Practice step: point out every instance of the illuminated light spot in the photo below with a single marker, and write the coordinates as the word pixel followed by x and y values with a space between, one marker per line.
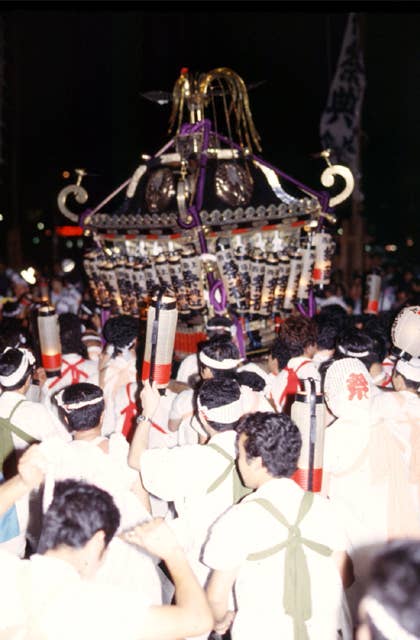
pixel 368 248
pixel 391 247
pixel 66 174
pixel 40 226
pixel 340 231
pixel 1 217
pixel 69 243
pixel 80 243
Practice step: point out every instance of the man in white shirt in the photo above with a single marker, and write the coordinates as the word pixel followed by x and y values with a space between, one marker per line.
pixel 280 548
pixel 297 336
pixel 53 595
pixel 218 358
pixel 369 468
pixel 217 326
pixel 23 423
pixel 118 364
pixel 75 365
pixel 201 480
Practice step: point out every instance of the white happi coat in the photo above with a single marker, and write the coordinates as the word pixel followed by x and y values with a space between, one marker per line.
pixel 34 419
pixel 248 528
pixel 184 475
pixel 47 598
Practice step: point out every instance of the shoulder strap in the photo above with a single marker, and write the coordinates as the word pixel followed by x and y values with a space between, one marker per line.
pixel 297 600
pixel 15 407
pixel 239 490
pixel 7 423
pixel 222 452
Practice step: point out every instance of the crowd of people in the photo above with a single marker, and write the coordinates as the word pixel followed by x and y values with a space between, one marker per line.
pixel 131 511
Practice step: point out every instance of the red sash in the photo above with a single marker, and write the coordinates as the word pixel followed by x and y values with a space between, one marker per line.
pixel 73 369
pixel 129 412
pixel 293 382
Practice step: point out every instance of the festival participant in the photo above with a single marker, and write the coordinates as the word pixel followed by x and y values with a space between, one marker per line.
pixel 75 366
pixel 201 480
pixel 217 326
pixel 23 422
pixel 327 332
pixel 390 607
pixel 77 529
pixel 280 549
pixel 103 462
pixel 358 344
pixel 404 402
pixel 217 358
pixel 299 334
pixel 368 470
pixel 95 458
pixel 118 366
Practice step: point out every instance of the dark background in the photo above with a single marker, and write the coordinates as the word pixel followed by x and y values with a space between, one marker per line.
pixel 73 81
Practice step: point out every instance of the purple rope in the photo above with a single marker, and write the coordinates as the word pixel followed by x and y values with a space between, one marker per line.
pixel 217 286
pixel 240 336
pixel 311 303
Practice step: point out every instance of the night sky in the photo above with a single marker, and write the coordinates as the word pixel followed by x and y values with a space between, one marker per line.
pixel 74 79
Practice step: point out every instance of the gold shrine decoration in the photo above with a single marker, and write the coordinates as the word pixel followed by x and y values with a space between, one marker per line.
pixel 196 92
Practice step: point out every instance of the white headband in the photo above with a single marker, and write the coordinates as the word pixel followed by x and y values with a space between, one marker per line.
pixel 11 314
pixel 27 361
pixel 72 406
pixel 91 336
pixel 226 414
pixel 384 622
pixel 227 363
pixel 352 354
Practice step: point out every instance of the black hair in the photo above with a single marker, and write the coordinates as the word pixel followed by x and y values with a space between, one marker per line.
pixel 10 309
pixel 298 333
pixel 357 341
pixel 279 351
pixel 216 393
pixel 78 510
pixel 334 312
pixel 328 330
pixel 10 360
pixel 12 334
pixel 322 370
pixel 120 331
pixel 275 438
pixel 394 582
pixel 87 417
pixel 251 379
pixel 219 321
pixel 218 348
pixel 71 334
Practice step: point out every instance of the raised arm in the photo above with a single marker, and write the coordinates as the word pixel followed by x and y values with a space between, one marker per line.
pixel 31 473
pixel 149 397
pixel 191 615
